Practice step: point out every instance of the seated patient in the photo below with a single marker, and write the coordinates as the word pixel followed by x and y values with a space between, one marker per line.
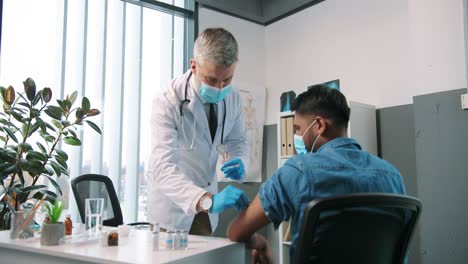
pixel 327 163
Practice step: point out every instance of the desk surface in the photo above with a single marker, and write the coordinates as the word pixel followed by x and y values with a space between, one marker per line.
pixel 136 248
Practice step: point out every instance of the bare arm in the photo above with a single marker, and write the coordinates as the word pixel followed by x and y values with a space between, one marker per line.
pixel 244 226
pixel 248 222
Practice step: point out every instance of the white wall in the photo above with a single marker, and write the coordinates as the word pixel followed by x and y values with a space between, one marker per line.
pixel 361 42
pixel 251 40
pixel 436 46
pixel 384 52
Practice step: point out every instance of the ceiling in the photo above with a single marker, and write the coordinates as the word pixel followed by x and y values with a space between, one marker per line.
pixel 262 12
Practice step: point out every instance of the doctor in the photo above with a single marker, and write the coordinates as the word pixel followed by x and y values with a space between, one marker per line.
pixel 195 120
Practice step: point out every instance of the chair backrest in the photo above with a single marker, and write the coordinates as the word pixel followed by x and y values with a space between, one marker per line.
pixel 98 186
pixel 357 228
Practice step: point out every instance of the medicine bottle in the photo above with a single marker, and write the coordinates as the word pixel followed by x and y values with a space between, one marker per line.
pixel 68 225
pixel 169 240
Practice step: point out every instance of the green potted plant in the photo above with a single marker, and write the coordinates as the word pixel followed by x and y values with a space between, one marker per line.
pixel 53 230
pixel 30 131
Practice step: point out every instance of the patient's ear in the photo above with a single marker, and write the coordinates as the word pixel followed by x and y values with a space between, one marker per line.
pixel 322 125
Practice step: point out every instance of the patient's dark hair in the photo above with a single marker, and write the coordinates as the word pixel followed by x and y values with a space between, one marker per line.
pixel 324 101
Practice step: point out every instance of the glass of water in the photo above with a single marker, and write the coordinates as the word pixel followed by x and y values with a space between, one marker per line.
pixel 94 208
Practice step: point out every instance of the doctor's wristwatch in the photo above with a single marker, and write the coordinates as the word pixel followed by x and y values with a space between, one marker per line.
pixel 205 203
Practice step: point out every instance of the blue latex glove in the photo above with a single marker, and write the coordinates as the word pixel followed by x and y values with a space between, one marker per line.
pixel 228 198
pixel 234 169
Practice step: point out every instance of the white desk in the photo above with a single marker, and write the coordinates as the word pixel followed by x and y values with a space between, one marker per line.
pixel 137 248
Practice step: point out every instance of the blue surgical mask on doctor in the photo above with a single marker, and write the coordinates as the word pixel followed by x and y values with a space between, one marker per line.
pixel 299 144
pixel 212 94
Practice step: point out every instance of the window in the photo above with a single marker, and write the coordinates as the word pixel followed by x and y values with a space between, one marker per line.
pixel 465 18
pixel 116 53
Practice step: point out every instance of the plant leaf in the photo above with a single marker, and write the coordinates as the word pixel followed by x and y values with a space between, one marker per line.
pixel 62 104
pixel 85 104
pixel 93 112
pixel 24 104
pixel 61 161
pixel 32 166
pixel 34 155
pixel 37 98
pixel 2 92
pixel 47 94
pixel 24 128
pixel 10 134
pixel 24 147
pixel 54 112
pixel 30 88
pixel 41 147
pixel 64 171
pixel 57 124
pixel 7 169
pixel 56 168
pixel 9 97
pixel 49 126
pixel 15 115
pixel 72 132
pixel 72 97
pixel 62 154
pixel 51 196
pixel 72 141
pixel 22 111
pixel 35 127
pixel 94 126
pixel 79 113
pixel 8 155
pixel 49 138
pixel 55 184
pixel 34 113
pixel 34 188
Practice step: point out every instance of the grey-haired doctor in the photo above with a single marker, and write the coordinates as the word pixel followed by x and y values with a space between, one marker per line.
pixel 195 120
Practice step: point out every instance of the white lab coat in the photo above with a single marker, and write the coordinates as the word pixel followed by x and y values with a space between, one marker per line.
pixel 176 177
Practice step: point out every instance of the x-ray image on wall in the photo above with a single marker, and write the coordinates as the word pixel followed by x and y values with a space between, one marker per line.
pixel 287 99
pixel 335 84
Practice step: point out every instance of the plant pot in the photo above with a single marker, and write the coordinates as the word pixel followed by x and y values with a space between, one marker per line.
pixel 51 234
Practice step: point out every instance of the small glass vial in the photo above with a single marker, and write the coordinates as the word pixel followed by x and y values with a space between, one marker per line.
pixel 155 231
pixel 177 237
pixel 68 225
pixel 170 240
pixel 103 239
pixel 183 239
pixel 113 238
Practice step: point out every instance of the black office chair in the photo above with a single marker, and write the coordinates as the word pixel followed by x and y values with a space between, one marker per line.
pixel 99 186
pixel 365 228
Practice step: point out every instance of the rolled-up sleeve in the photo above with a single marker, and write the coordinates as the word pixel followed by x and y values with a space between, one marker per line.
pixel 277 194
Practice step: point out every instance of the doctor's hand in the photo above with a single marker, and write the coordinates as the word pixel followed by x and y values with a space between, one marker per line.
pixel 229 197
pixel 234 169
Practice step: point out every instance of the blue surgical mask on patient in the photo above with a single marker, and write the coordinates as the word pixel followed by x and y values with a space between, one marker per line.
pixel 299 144
pixel 212 94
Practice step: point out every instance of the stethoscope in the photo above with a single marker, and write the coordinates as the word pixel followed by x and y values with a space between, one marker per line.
pixel 221 148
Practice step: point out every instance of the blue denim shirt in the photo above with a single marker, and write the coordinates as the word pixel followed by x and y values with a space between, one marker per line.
pixel 336 168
